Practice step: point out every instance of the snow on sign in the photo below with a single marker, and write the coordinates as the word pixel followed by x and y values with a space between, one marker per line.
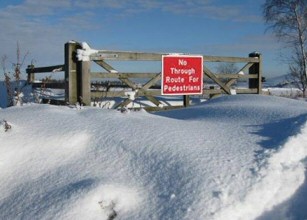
pixel 182 75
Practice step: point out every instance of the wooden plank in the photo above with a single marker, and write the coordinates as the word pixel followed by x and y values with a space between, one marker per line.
pixel 104 75
pixel 247 91
pixel 221 91
pixel 230 59
pixel 111 94
pixel 122 74
pixel 215 79
pixel 230 82
pixel 106 85
pixel 235 76
pixel 238 76
pixel 107 94
pixel 151 108
pixel 49 85
pixel 152 81
pixel 54 101
pixel 126 56
pixel 128 82
pixel 148 85
pixel 153 92
pixel 123 104
pixel 141 56
pixel 47 69
pixel 106 66
pixel 134 87
pixel 153 99
pixel 246 67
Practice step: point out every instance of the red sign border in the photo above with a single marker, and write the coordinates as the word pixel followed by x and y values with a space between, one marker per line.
pixel 182 55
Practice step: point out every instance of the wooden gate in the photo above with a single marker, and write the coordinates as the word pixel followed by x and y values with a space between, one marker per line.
pixel 78 83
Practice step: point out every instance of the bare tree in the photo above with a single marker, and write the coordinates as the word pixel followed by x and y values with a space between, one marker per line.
pixel 7 80
pixel 17 72
pixel 14 94
pixel 297 75
pixel 227 68
pixel 288 20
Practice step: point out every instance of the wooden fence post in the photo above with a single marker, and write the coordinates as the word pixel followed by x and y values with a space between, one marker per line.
pixel 256 69
pixel 186 100
pixel 85 82
pixel 71 88
pixel 31 75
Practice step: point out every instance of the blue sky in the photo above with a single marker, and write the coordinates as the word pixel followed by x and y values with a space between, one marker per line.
pixel 210 27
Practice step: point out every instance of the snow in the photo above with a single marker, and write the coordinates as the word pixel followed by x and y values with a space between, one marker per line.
pixel 284 92
pixel 131 94
pixel 85 53
pixel 233 157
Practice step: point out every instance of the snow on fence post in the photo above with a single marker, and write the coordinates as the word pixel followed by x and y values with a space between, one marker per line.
pixel 256 69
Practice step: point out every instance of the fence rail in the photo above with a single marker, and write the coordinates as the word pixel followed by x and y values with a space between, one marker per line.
pixel 79 87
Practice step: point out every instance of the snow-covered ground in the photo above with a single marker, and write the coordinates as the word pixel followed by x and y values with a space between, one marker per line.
pixel 233 157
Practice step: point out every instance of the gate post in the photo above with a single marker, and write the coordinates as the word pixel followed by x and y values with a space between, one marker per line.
pixel 256 69
pixel 71 86
pixel 31 75
pixel 186 100
pixel 85 82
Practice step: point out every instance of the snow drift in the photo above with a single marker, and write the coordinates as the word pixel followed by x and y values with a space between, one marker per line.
pixel 234 157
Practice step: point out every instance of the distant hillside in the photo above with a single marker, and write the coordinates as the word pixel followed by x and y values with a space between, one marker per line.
pixel 278 81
